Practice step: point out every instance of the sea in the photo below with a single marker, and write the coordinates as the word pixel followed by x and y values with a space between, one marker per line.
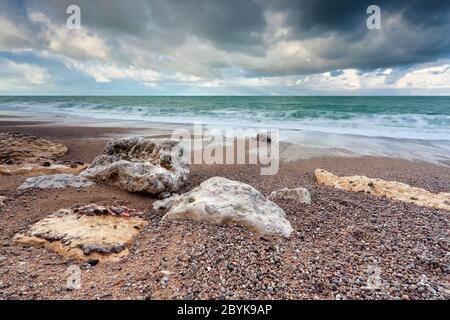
pixel 413 127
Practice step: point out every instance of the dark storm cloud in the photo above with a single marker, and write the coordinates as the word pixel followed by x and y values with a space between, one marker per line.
pixel 392 46
pixel 228 24
pixel 311 18
pixel 334 32
pixel 111 15
pixel 315 17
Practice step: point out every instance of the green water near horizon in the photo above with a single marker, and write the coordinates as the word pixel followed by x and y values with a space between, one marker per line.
pixel 424 117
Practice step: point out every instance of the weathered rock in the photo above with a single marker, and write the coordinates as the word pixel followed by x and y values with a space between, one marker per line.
pixel 26 155
pixel 75 235
pixel 2 201
pixel 390 189
pixel 93 209
pixel 222 201
pixel 166 203
pixel 17 148
pixel 140 165
pixel 56 181
pixel 298 194
pixel 164 195
pixel 31 169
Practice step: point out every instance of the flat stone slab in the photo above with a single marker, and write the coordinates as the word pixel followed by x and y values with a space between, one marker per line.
pixel 17 148
pixel 390 189
pixel 26 155
pixel 97 235
pixel 56 181
pixel 31 169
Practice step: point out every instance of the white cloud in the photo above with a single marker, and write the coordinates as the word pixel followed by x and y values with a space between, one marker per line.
pixel 106 72
pixel 437 77
pixel 197 62
pixel 423 78
pixel 12 35
pixel 21 75
pixel 78 44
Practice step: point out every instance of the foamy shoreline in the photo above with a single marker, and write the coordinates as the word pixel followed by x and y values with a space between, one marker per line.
pixel 294 144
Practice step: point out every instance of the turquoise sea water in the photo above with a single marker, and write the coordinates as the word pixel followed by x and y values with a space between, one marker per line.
pixel 406 127
pixel 396 117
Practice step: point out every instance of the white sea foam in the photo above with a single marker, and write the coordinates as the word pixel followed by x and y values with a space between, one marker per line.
pixel 402 126
pixel 406 135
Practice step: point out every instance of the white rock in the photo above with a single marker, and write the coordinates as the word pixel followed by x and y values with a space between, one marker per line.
pixel 56 181
pixel 298 194
pixel 80 236
pixel 222 201
pixel 140 165
pixel 2 200
pixel 166 272
pixel 382 188
pixel 166 203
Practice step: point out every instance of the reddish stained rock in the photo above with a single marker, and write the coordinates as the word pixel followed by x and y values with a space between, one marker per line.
pixel 86 233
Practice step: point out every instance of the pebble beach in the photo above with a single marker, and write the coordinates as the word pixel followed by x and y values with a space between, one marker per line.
pixel 344 245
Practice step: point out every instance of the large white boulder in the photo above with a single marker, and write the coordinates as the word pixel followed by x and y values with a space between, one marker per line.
pixel 140 165
pixel 222 201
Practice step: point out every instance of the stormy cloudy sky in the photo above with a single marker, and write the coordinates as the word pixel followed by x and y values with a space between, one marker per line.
pixel 224 47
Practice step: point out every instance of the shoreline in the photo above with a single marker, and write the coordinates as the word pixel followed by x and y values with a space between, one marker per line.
pixel 305 145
